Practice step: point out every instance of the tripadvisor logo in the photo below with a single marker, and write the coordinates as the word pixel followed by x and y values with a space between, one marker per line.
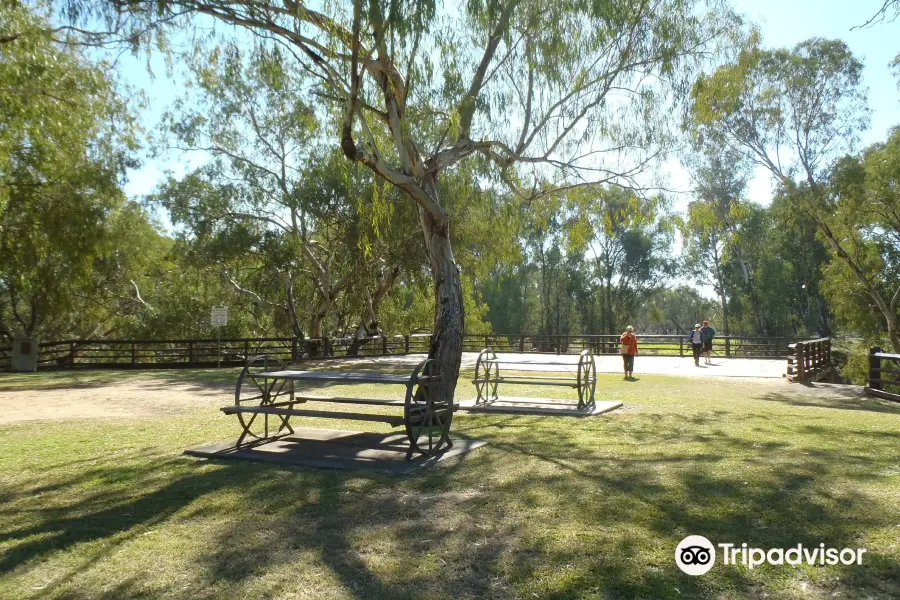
pixel 696 555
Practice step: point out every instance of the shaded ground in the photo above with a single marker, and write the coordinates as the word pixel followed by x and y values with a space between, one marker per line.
pixel 551 508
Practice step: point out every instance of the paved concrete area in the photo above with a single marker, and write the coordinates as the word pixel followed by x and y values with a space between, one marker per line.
pixel 650 364
pixel 512 405
pixel 337 449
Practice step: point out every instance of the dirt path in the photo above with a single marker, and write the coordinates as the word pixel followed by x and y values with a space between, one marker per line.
pixel 135 398
pixel 144 397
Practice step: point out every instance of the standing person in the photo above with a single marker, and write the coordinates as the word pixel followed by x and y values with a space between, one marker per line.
pixel 629 350
pixel 696 343
pixel 707 334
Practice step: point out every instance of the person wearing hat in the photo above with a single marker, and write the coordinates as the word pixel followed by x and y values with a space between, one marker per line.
pixel 629 350
pixel 696 343
pixel 707 334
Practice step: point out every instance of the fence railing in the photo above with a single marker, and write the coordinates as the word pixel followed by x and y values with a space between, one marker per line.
pixel 810 360
pixel 125 354
pixel 658 345
pixel 884 375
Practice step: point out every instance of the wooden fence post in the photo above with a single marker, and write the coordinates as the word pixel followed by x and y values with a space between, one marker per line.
pixel 680 346
pixel 190 352
pixel 522 344
pixel 406 344
pixel 727 345
pixel 384 345
pixel 800 362
pixel 133 354
pixel 875 369
pixel 293 349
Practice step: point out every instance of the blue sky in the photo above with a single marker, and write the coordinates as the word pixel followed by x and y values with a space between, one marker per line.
pixel 783 23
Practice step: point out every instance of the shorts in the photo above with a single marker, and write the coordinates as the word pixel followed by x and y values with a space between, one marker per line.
pixel 629 362
pixel 707 346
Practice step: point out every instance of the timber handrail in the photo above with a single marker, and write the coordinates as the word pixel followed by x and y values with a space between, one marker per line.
pixel 884 375
pixel 809 361
pixel 208 352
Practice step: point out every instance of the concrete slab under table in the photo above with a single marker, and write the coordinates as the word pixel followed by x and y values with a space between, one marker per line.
pixel 513 405
pixel 336 449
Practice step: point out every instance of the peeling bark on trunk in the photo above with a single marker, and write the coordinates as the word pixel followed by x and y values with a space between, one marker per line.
pixel 449 312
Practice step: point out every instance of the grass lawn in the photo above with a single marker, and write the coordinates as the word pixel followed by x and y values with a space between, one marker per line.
pixel 551 508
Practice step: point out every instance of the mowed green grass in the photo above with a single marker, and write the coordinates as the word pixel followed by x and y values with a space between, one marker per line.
pixel 551 508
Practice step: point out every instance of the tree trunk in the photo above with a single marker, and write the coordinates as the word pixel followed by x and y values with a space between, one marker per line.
pixel 449 312
pixel 369 323
pixel 824 319
pixel 724 302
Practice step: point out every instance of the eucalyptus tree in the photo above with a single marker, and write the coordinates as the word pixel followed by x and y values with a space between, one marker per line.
pixel 865 196
pixel 712 232
pixel 794 112
pixel 273 189
pixel 675 311
pixel 889 11
pixel 553 94
pixel 69 263
pixel 628 239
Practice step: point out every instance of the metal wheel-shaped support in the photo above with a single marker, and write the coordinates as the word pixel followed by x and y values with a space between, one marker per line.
pixel 487 376
pixel 587 379
pixel 253 390
pixel 426 414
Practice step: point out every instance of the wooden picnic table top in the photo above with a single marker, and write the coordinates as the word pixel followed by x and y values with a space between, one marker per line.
pixel 338 376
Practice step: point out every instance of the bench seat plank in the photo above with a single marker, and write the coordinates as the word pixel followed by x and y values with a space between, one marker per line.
pixel 341 400
pixel 531 381
pixel 337 376
pixel 323 414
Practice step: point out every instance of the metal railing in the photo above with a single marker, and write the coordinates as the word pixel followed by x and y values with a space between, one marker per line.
pixel 175 353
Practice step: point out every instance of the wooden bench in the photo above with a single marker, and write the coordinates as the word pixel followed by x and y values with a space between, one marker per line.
pixel 488 377
pixel 270 393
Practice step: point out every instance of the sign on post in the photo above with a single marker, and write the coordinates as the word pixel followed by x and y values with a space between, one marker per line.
pixel 219 316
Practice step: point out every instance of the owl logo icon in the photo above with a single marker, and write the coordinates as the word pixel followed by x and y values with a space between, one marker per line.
pixel 695 555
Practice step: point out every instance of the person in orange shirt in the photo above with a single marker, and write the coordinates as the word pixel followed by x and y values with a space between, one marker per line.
pixel 629 350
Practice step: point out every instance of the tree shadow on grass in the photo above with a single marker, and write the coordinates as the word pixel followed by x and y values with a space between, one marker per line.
pixel 547 509
pixel 831 397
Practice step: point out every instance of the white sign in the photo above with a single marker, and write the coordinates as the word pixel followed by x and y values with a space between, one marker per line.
pixel 219 316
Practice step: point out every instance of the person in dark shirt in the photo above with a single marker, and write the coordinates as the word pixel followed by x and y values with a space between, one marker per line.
pixel 707 334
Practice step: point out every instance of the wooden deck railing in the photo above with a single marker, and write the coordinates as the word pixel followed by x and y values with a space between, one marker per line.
pixel 809 360
pixel 884 375
pixel 127 354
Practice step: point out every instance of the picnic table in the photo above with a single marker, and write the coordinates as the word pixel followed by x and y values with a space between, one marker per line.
pixel 488 377
pixel 265 393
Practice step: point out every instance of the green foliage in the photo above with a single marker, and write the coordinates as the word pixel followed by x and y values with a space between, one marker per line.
pixel 71 247
pixel 865 202
pixel 675 311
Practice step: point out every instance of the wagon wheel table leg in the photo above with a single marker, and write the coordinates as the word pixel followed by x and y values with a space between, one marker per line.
pixel 487 372
pixel 587 379
pixel 426 417
pixel 253 390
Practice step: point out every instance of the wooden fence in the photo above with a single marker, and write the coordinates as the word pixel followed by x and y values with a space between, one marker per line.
pixel 133 354
pixel 884 375
pixel 809 360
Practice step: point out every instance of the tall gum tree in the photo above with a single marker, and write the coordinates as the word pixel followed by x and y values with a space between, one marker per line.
pixel 554 94
pixel 794 112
